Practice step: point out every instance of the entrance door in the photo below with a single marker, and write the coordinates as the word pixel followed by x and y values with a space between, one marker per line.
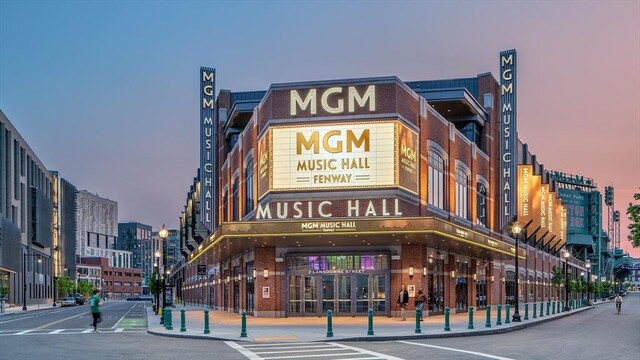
pixel 379 293
pixel 344 294
pixel 328 293
pixel 310 294
pixel 362 293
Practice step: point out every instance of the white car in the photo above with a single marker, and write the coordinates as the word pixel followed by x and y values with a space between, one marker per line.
pixel 68 301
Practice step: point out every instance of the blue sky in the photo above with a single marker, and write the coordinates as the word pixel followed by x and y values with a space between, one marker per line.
pixel 106 92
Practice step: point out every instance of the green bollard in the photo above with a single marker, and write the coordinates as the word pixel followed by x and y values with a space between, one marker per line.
pixel 559 306
pixel 535 310
pixel 446 319
pixel 329 325
pixel 418 316
pixel 541 309
pixel 499 320
pixel 553 308
pixel 488 322
pixel 470 326
pixel 183 325
pixel 370 329
pixel 526 311
pixel 243 329
pixel 206 321
pixel 548 307
pixel 169 320
pixel 507 316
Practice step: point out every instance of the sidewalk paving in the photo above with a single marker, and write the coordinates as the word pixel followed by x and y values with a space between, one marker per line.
pixel 17 309
pixel 227 326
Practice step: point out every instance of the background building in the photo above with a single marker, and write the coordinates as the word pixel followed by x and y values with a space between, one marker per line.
pixel 95 214
pixel 64 228
pixel 26 220
pixel 117 283
pixel 137 239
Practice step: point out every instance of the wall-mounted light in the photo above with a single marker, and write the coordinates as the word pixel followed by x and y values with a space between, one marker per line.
pixel 254 273
pixel 265 273
pixel 504 279
pixel 424 271
pixel 475 277
pixel 453 274
pixel 410 270
pixel 227 280
pixel 431 259
pixel 239 277
pixel 493 278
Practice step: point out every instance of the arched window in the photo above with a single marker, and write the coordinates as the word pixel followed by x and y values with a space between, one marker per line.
pixel 225 204
pixel 435 190
pixel 235 202
pixel 248 187
pixel 462 193
pixel 481 213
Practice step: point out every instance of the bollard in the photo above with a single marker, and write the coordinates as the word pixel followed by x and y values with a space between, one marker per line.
pixel 446 319
pixel 553 308
pixel 370 329
pixel 183 325
pixel 535 310
pixel 160 312
pixel 418 316
pixel 169 321
pixel 488 322
pixel 548 306
pixel 541 309
pixel 243 329
pixel 559 306
pixel 499 320
pixel 329 326
pixel 206 321
pixel 506 317
pixel 526 311
pixel 470 326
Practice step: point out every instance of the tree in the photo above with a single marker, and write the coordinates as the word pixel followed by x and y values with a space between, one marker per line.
pixel 4 286
pixel 634 215
pixel 154 283
pixel 557 278
pixel 65 285
pixel 85 288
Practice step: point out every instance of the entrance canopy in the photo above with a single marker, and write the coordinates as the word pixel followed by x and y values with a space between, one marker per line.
pixel 235 237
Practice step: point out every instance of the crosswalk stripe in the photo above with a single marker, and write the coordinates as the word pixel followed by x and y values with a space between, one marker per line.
pixel 457 350
pixel 86 331
pixel 305 356
pixel 295 351
pixel 285 347
pixel 57 331
pixel 243 351
pixel 23 332
pixel 306 350
pixel 119 330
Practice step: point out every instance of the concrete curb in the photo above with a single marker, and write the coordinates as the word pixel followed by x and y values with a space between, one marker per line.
pixel 12 313
pixel 492 331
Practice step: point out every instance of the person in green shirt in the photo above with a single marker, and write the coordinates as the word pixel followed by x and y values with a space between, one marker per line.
pixel 94 302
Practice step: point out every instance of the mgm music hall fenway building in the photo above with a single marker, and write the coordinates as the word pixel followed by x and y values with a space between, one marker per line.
pixel 332 195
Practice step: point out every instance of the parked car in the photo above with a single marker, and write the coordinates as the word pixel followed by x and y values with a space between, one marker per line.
pixel 68 301
pixel 78 298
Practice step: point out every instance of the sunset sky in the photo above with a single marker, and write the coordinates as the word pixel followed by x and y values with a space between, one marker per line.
pixel 107 92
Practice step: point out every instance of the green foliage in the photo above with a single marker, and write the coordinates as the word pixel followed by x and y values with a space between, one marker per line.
pixel 85 288
pixel 634 215
pixel 155 284
pixel 4 285
pixel 65 285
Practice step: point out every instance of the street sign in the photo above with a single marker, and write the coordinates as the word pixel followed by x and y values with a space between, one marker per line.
pixel 202 270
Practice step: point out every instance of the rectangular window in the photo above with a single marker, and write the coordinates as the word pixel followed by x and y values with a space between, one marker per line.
pixel 436 183
pixel 462 194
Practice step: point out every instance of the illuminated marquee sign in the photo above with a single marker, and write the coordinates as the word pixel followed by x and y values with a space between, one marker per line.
pixel 332 100
pixel 207 141
pixel 329 209
pixel 525 194
pixel 509 134
pixel 340 156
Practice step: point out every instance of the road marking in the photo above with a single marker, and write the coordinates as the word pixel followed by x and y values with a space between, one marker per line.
pixel 64 319
pixel 119 330
pixel 87 331
pixel 23 332
pixel 125 314
pixel 57 331
pixel 306 350
pixel 457 350
pixel 26 317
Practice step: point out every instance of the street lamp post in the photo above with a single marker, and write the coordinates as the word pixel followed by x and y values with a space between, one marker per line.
pixel 565 254
pixel 581 279
pixel 163 233
pixel 587 264
pixel 516 229
pixel 24 277
pixel 157 269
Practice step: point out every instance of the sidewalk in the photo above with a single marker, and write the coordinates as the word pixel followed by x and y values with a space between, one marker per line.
pixel 227 326
pixel 17 309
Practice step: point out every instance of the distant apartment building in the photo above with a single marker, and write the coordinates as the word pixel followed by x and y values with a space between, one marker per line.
pixel 174 256
pixel 117 283
pixel 95 214
pixel 64 226
pixel 137 238
pixel 26 220
pixel 91 274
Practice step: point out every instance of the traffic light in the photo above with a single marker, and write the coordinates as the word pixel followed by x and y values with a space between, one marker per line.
pixel 608 195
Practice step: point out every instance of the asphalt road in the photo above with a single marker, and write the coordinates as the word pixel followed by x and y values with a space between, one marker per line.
pixel 594 334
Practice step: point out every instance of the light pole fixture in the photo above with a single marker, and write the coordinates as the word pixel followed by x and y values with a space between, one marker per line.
pixel 157 271
pixel 516 229
pixel 565 254
pixel 587 264
pixel 24 277
pixel 163 233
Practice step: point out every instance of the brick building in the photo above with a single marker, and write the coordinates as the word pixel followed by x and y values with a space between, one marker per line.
pixel 334 194
pixel 117 283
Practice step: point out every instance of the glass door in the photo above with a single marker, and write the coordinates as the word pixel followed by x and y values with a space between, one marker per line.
pixel 328 293
pixel 294 295
pixel 379 293
pixel 344 294
pixel 436 286
pixel 310 294
pixel 362 293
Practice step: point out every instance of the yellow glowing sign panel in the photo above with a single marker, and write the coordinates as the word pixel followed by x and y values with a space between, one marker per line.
pixel 353 155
